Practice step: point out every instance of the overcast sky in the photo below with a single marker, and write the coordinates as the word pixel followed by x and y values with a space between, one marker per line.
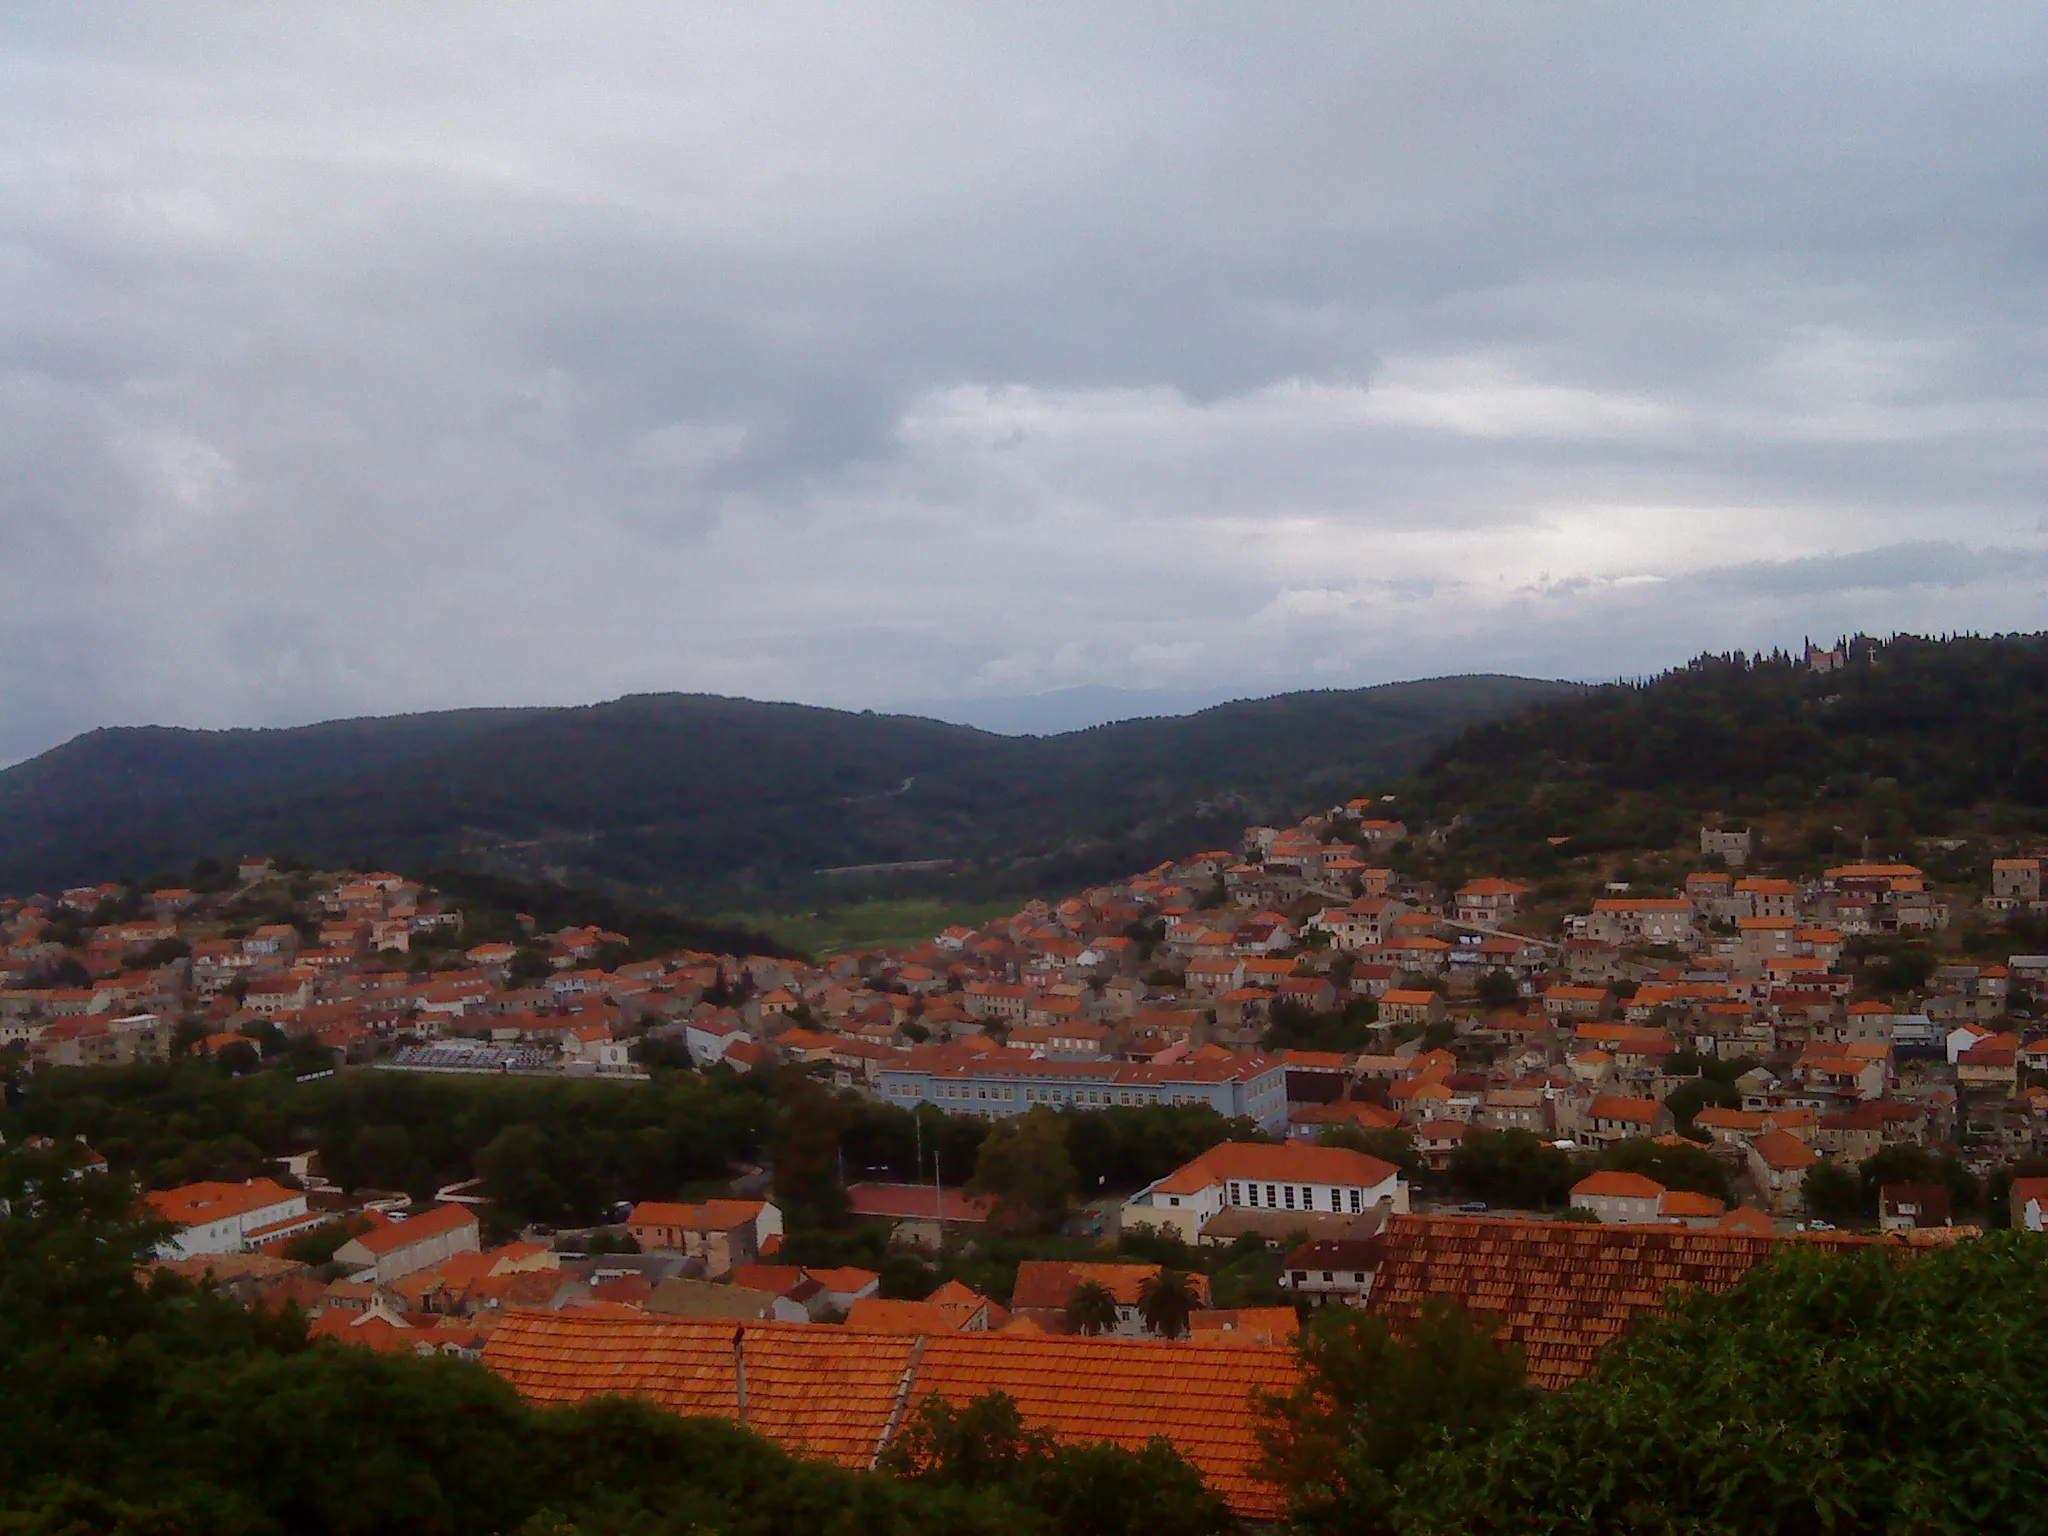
pixel 357 359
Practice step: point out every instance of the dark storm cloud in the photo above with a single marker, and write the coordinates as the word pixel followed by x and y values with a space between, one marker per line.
pixel 390 358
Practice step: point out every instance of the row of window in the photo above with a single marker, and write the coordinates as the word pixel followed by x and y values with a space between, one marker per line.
pixel 1082 1096
pixel 1293 1197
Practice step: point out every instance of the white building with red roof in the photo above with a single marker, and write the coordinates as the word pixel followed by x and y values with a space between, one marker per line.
pixel 215 1217
pixel 1616 1196
pixel 1263 1177
pixel 398 1248
pixel 997 1084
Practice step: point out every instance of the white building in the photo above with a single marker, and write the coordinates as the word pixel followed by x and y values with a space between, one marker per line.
pixel 397 1249
pixel 1619 1198
pixel 215 1217
pixel 1255 1176
pixel 997 1084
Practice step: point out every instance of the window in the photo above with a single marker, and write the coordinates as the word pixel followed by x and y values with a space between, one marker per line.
pixel 1328 1277
pixel 1235 1197
pixel 1173 1199
pixel 1354 1202
pixel 1289 1191
pixel 1272 1197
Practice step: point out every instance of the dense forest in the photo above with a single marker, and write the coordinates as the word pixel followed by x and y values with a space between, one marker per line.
pixel 1909 738
pixel 694 797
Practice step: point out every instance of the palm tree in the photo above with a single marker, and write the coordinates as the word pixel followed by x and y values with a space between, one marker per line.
pixel 1165 1301
pixel 1091 1309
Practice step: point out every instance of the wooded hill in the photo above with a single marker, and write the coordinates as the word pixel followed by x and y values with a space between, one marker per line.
pixel 679 796
pixel 1908 739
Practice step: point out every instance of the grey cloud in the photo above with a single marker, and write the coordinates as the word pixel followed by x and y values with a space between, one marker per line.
pixel 391 359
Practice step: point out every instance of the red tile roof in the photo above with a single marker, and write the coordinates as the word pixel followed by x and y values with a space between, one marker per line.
pixel 1293 1163
pixel 1563 1290
pixel 871 1314
pixel 1616 1106
pixel 1619 1185
pixel 1784 1151
pixel 565 1357
pixel 823 1391
pixel 403 1234
pixel 916 1200
pixel 1125 1391
pixel 837 1392
pixel 708 1216
pixel 195 1204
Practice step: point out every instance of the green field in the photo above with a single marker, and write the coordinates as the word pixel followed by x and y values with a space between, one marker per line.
pixel 870 924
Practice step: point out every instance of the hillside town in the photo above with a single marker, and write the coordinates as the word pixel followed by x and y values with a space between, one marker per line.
pixel 1173 987
pixel 1455 1016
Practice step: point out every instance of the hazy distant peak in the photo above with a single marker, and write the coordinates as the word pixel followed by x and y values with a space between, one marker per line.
pixel 1068 709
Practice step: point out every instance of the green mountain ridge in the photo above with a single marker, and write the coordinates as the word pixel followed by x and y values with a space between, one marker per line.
pixel 1908 739
pixel 689 796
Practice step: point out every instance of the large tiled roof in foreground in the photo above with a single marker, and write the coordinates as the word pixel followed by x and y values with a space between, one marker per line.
pixel 839 1394
pixel 564 1357
pixel 822 1391
pixel 1563 1290
pixel 1125 1391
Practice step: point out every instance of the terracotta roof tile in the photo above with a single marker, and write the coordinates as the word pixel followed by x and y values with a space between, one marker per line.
pixel 1563 1290
pixel 403 1234
pixel 1125 1391
pixel 836 1392
pixel 564 1357
pixel 823 1392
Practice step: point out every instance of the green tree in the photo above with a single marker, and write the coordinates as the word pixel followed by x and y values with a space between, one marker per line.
pixel 318 1245
pixel 1905 1163
pixel 1166 1301
pixel 982 1445
pixel 1091 1309
pixel 1497 990
pixel 1371 1403
pixel 1827 1391
pixel 163 952
pixel 805 1152
pixel 1389 1146
pixel 518 1177
pixel 1681 1167
pixel 1023 1166
pixel 1689 1098
pixel 1105 1490
pixel 1512 1167
pixel 384 1157
pixel 529 963
pixel 1831 1192
pixel 1079 1490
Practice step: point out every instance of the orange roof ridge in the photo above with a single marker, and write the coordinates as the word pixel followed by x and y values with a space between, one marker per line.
pixel 838 1392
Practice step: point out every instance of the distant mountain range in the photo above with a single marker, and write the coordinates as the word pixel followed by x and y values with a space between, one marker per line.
pixel 1059 710
pixel 691 796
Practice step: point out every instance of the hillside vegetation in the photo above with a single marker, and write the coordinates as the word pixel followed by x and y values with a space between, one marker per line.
pixel 1910 739
pixel 681 796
